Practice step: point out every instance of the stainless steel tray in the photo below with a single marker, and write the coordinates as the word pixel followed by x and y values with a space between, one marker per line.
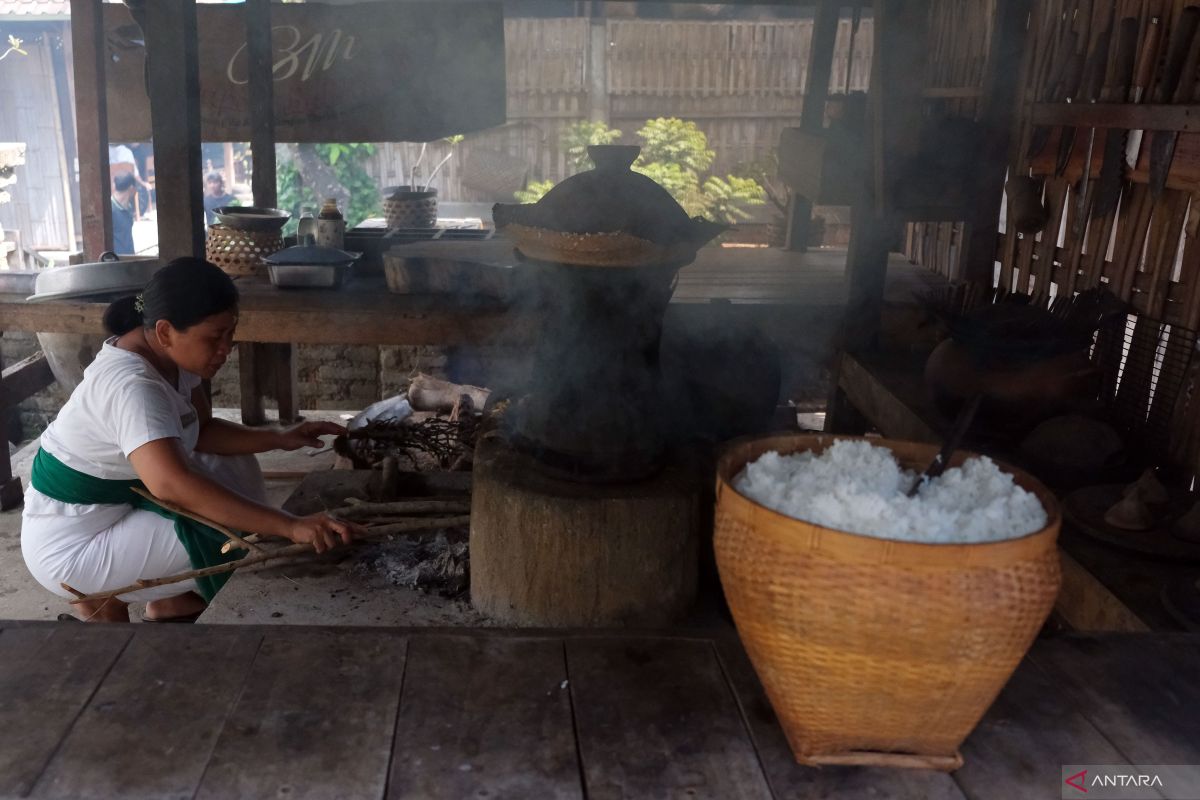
pixel 309 276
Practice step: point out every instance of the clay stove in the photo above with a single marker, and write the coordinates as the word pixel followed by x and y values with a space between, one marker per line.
pixel 580 514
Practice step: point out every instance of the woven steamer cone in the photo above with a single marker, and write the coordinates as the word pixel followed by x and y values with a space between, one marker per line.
pixel 875 651
pixel 240 253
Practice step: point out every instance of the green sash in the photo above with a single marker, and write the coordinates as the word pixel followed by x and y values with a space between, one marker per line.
pixel 203 544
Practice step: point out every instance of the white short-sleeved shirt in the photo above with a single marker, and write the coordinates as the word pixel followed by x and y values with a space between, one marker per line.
pixel 121 404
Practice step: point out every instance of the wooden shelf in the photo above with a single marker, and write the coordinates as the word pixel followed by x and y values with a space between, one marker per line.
pixel 1118 115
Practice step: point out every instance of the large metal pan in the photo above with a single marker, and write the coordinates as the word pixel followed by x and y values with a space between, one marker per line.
pixel 107 278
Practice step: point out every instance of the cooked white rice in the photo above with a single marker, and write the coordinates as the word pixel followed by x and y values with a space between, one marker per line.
pixel 857 487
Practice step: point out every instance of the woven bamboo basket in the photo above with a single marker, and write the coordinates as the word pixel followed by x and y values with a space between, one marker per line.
pixel 873 651
pixel 240 253
pixel 408 209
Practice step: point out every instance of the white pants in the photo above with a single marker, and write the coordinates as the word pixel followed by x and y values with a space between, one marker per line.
pixel 138 545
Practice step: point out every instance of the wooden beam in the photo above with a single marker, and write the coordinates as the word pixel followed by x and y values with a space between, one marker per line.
pixel 91 124
pixel 250 371
pixel 262 102
pixel 820 65
pixel 171 48
pixel 1118 115
pixel 812 116
pixel 272 368
pixel 999 113
pixel 24 379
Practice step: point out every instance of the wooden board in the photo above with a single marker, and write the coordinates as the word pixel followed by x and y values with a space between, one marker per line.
pixel 657 719
pixel 47 676
pixel 485 717
pixel 1029 732
pixel 315 719
pixel 792 781
pixel 1142 692
pixel 150 728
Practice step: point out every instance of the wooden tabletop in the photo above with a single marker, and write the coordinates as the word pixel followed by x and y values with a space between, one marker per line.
pixel 365 312
pixel 145 711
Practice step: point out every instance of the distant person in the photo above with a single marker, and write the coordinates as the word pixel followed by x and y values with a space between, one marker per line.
pixel 124 187
pixel 121 161
pixel 215 196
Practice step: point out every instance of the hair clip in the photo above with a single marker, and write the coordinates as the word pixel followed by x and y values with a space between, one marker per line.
pixel 139 304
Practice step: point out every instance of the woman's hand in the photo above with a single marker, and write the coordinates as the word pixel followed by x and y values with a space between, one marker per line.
pixel 306 435
pixel 323 531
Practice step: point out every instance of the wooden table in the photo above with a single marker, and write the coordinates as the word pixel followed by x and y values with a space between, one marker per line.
pixel 143 711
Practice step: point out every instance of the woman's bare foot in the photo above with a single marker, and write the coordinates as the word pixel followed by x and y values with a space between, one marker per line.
pixel 181 605
pixel 110 609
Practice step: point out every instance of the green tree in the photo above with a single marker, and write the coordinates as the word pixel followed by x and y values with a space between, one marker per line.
pixel 344 162
pixel 676 156
pixel 578 137
pixel 675 141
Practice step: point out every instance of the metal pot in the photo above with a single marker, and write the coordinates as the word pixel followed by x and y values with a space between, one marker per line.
pixel 111 277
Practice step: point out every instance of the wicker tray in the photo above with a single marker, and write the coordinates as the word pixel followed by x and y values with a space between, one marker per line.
pixel 240 253
pixel 616 250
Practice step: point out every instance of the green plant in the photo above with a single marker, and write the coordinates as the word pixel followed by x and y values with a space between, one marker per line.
pixel 675 155
pixel 578 137
pixel 534 191
pixel 345 163
pixel 728 196
pixel 675 141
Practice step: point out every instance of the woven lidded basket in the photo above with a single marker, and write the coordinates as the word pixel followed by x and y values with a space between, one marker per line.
pixel 240 253
pixel 874 651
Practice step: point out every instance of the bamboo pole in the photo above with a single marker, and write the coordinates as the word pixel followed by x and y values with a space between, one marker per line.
pixel 263 556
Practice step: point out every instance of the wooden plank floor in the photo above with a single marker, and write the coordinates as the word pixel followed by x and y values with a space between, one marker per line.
pixel 142 711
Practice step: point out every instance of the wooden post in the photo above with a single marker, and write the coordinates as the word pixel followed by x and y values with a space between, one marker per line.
pixel 272 368
pixel 250 360
pixel 897 73
pixel 1000 104
pixel 596 79
pixel 812 115
pixel 262 101
pixel 91 124
pixel 171 48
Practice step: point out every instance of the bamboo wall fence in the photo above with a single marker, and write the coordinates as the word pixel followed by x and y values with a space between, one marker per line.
pixel 741 82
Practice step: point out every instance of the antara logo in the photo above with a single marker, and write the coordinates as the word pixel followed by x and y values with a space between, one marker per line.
pixel 1126 780
pixel 1078 781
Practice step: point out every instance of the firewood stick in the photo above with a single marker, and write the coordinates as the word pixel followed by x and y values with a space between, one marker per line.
pixel 263 556
pixel 393 512
pixel 183 512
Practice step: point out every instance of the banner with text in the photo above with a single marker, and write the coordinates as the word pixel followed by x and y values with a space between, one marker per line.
pixel 369 72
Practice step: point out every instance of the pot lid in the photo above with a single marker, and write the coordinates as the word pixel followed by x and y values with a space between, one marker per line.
pixel 111 275
pixel 311 255
pixel 611 198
